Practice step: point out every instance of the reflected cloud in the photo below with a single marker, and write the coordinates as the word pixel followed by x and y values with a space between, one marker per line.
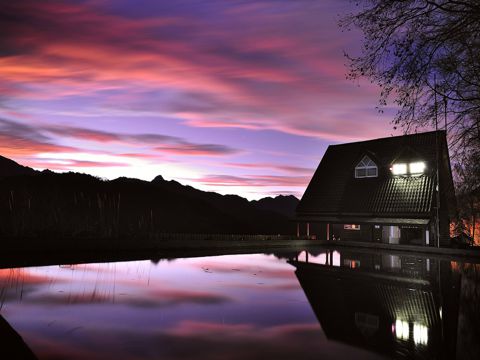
pixel 173 309
pixel 242 269
pixel 152 299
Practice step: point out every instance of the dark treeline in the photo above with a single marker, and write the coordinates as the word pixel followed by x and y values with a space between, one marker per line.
pixel 46 204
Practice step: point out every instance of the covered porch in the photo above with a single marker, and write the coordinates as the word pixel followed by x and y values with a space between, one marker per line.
pixel 401 231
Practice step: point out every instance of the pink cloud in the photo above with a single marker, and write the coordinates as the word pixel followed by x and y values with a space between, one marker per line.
pixel 303 78
pixel 188 149
pixel 62 164
pixel 254 180
pixel 273 166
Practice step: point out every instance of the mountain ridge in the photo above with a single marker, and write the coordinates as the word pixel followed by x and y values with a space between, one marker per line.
pixel 75 205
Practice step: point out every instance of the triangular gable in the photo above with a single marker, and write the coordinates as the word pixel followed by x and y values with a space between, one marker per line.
pixel 366 168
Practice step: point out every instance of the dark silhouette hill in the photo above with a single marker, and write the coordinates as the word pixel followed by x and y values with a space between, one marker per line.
pixel 73 205
pixel 282 204
pixel 10 168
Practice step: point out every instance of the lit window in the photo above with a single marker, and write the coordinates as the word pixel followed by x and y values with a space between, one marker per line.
pixel 366 168
pixel 399 169
pixel 417 167
pixel 351 227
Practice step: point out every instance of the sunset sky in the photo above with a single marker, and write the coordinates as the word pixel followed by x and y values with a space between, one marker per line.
pixel 234 96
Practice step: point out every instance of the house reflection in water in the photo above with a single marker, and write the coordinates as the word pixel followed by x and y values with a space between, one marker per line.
pixel 396 305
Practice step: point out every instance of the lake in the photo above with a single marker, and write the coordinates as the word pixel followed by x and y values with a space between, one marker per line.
pixel 320 303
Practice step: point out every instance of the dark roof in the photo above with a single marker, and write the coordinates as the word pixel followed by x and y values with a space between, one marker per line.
pixel 334 190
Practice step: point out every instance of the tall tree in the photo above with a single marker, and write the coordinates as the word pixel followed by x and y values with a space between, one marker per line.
pixel 419 50
pixel 425 56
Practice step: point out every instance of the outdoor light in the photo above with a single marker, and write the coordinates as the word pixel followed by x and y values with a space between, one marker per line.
pixel 417 167
pixel 399 169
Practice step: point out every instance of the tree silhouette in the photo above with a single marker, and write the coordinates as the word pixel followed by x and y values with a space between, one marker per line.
pixel 425 55
pixel 419 50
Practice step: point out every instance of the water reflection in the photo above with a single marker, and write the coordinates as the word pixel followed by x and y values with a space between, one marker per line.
pixel 396 305
pixel 334 305
pixel 13 344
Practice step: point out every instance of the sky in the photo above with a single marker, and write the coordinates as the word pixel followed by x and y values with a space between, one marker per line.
pixel 238 97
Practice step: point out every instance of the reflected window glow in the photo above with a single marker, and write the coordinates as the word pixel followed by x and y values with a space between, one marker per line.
pixel 420 334
pixel 399 169
pixel 351 227
pixel 402 330
pixel 336 258
pixel 417 167
pixel 351 263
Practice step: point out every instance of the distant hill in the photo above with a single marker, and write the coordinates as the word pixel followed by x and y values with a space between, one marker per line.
pixel 11 168
pixel 40 204
pixel 282 204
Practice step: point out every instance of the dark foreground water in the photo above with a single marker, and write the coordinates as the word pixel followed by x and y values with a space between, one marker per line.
pixel 327 304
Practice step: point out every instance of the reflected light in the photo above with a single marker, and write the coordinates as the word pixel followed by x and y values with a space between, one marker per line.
pixel 399 169
pixel 402 330
pixel 420 334
pixel 336 258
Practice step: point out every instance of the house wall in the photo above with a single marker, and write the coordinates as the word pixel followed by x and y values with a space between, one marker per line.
pixel 364 234
pixel 387 234
pixel 317 230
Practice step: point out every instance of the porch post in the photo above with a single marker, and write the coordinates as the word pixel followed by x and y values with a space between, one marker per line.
pixel 328 231
pixel 308 229
pixel 298 229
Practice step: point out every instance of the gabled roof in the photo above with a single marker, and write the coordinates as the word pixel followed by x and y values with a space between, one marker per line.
pixel 334 190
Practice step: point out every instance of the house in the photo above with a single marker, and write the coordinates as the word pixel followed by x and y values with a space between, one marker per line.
pixel 395 190
pixel 399 306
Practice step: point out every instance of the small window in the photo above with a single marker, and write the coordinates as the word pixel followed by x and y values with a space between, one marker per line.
pixel 366 168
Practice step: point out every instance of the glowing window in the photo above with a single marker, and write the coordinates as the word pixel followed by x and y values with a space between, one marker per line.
pixel 366 168
pixel 417 167
pixel 399 169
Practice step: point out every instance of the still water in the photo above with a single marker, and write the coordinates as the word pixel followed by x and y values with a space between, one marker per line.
pixel 322 303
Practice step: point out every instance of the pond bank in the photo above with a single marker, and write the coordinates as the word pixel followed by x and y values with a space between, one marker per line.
pixel 18 253
pixel 418 250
